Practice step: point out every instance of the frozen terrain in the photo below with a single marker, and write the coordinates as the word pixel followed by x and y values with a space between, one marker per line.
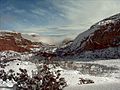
pixel 108 80
pixel 15 65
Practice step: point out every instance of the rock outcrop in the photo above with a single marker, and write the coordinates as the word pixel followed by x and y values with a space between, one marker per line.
pixel 101 36
pixel 14 41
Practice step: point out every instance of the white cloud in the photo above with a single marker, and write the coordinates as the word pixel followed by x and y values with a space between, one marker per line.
pixel 81 14
pixel 88 11
pixel 39 12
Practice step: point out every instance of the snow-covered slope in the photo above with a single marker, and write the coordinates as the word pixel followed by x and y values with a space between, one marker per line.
pixel 107 53
pixel 102 40
pixel 104 28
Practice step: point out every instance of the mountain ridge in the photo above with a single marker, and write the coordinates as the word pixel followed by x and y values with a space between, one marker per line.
pixel 14 41
pixel 102 35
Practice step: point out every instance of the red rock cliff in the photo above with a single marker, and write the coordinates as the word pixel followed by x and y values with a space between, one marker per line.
pixel 13 41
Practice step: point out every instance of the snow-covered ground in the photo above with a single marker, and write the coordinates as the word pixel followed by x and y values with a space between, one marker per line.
pixel 106 81
pixel 112 62
pixel 101 82
pixel 15 65
pixel 104 86
pixel 8 55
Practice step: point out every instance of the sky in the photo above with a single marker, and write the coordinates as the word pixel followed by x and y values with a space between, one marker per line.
pixel 54 18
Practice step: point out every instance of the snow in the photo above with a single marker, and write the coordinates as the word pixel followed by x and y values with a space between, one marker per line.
pixel 71 76
pixel 108 86
pixel 22 64
pixel 110 62
pixel 13 65
pixel 103 82
pixel 111 52
pixel 4 55
pixel 105 22
pixel 9 54
pixel 82 36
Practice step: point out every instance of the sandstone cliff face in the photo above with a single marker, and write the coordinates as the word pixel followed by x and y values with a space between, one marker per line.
pixel 107 35
pixel 13 41
pixel 101 40
pixel 103 34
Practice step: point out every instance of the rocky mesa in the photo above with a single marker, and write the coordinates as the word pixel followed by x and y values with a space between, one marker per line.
pixel 14 41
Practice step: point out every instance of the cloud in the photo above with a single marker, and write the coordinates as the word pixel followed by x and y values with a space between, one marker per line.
pixel 88 11
pixel 38 38
pixel 55 18
pixel 58 32
pixel 39 12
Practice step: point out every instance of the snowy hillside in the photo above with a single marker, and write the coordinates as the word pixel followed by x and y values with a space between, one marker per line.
pixel 81 39
pixel 111 52
pixel 102 40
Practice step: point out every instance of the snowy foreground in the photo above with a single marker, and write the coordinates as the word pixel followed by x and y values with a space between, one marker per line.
pixel 15 65
pixel 105 81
